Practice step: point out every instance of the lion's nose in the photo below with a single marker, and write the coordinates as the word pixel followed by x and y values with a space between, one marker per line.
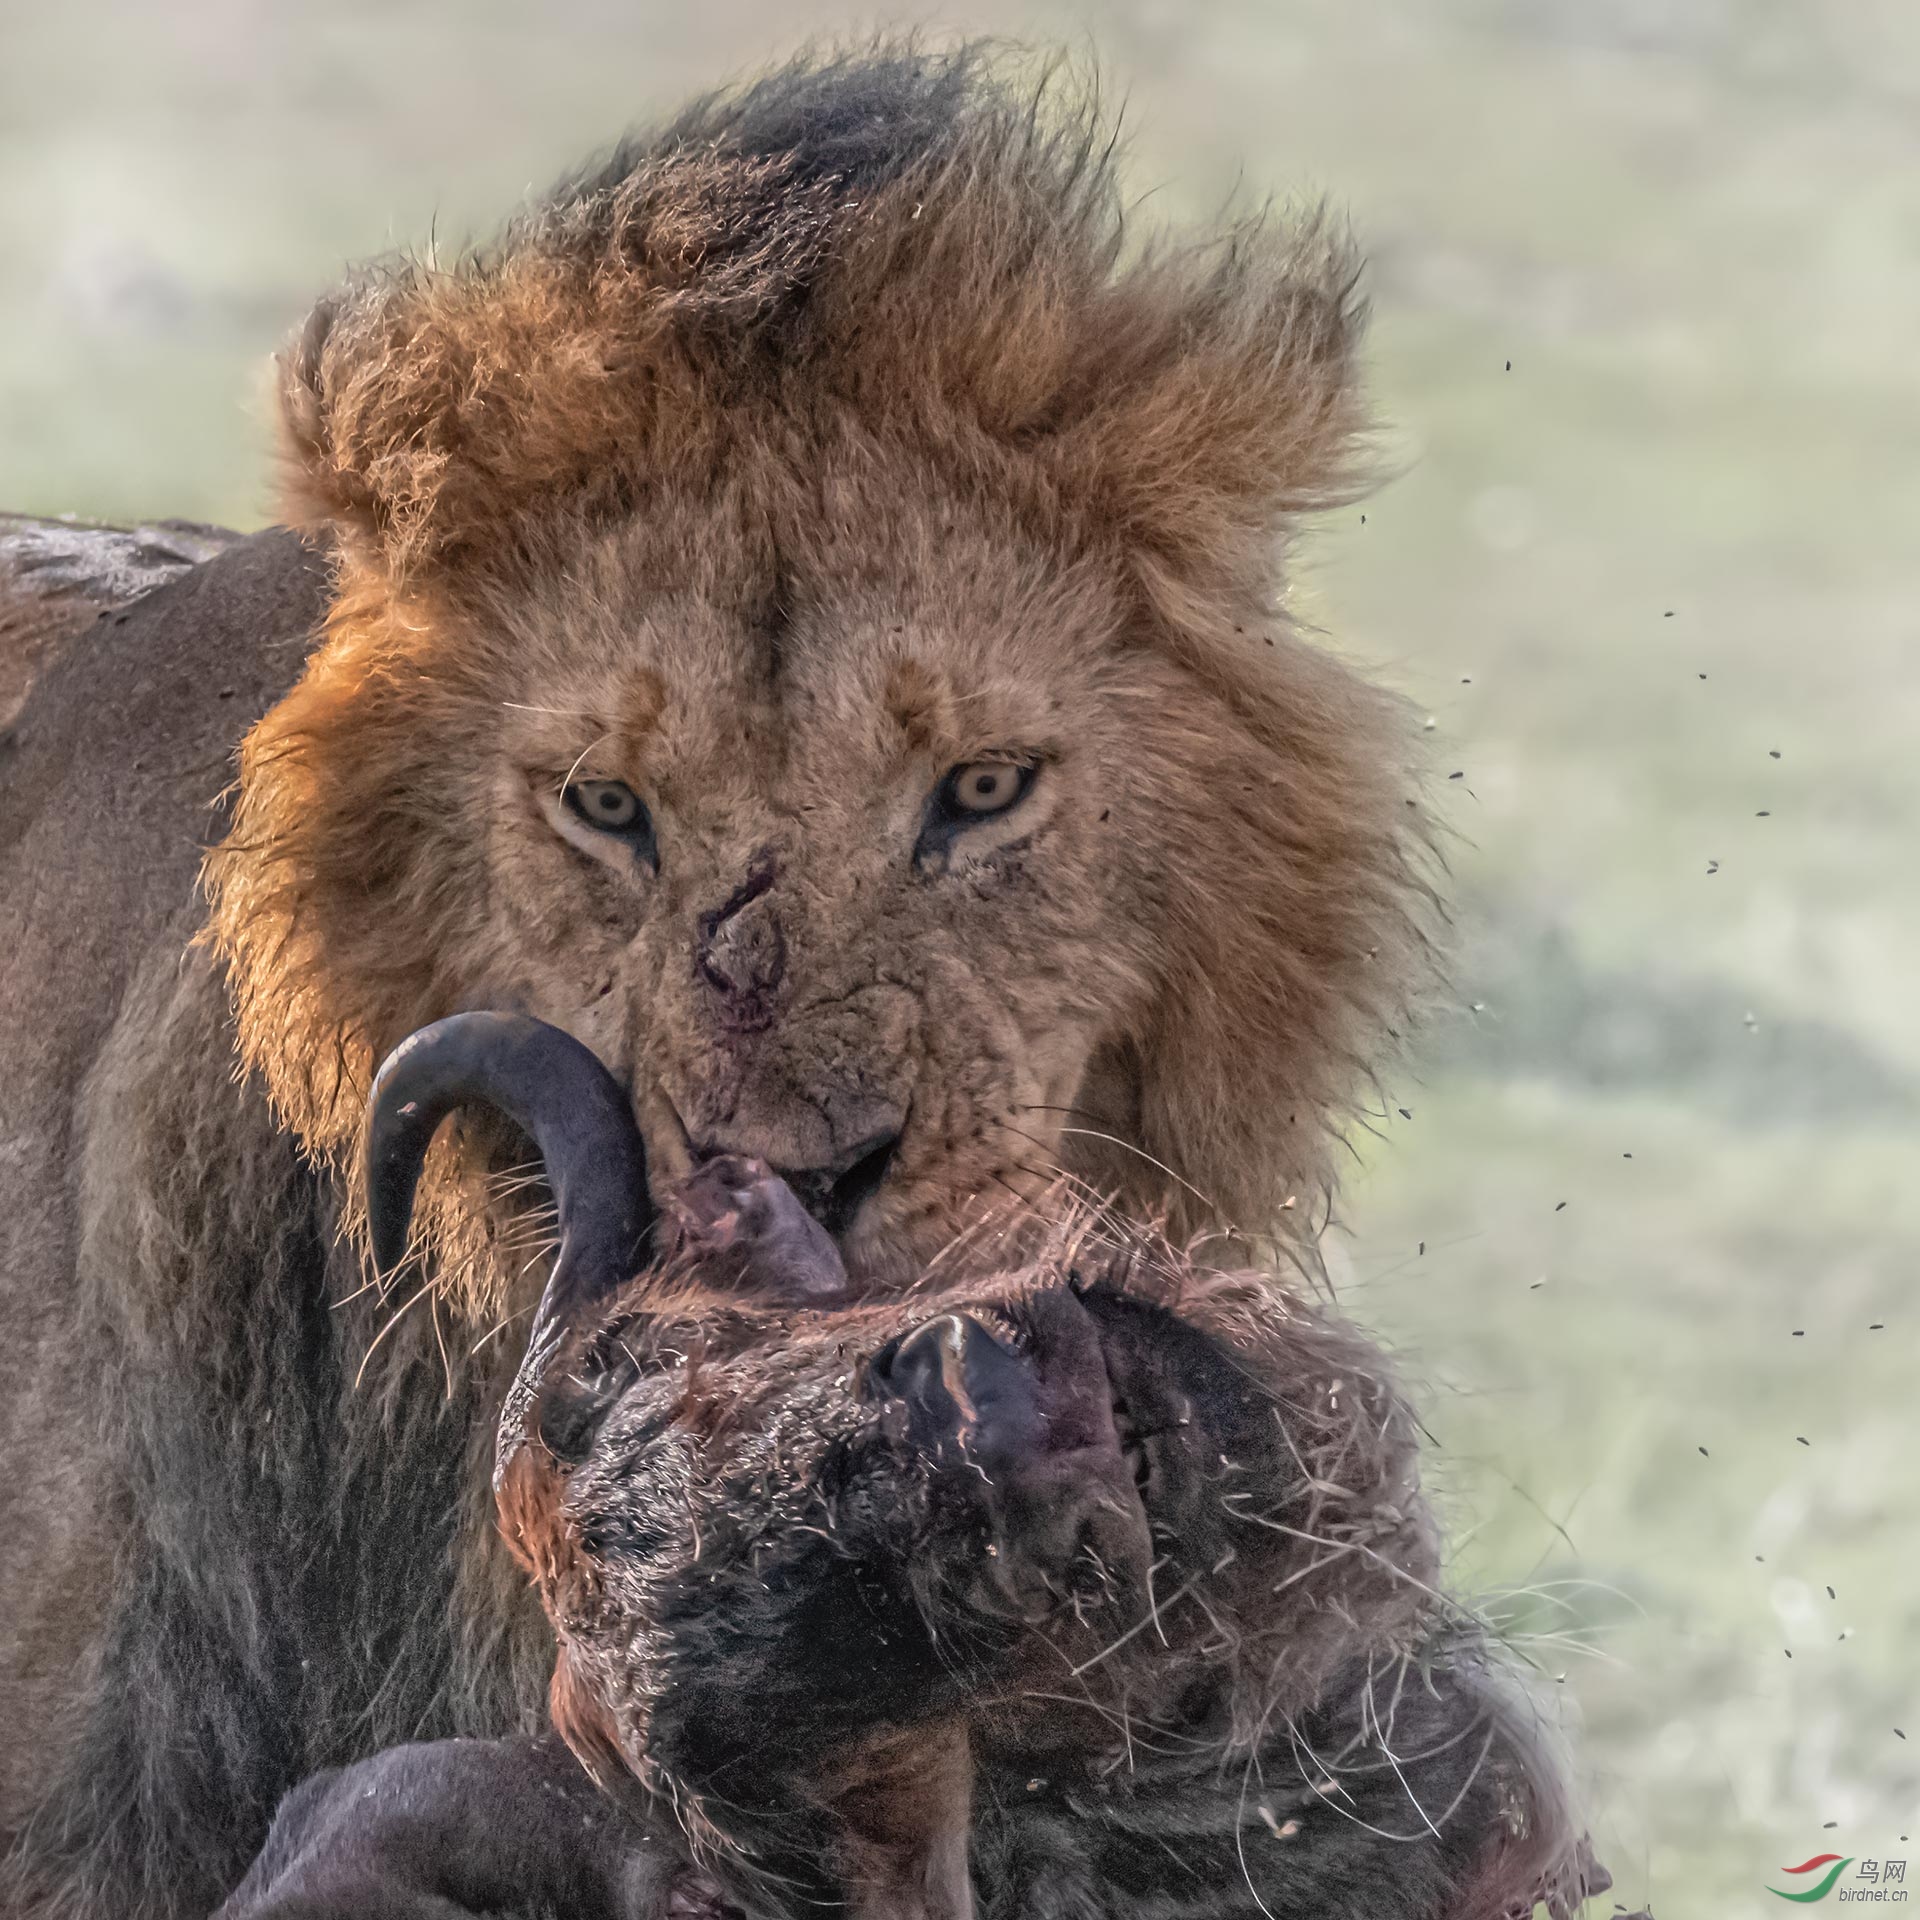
pixel 740 948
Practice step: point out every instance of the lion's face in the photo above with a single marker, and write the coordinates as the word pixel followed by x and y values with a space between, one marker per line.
pixel 809 623
pixel 855 870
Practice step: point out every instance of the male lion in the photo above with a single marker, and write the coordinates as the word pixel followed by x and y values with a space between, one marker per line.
pixel 799 612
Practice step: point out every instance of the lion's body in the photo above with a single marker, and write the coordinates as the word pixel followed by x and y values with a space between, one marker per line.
pixel 198 1503
pixel 833 440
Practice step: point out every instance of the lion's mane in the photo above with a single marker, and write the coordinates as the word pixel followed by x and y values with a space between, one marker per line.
pixel 929 253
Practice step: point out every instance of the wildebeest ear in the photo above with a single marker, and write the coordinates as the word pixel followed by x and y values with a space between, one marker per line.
pixel 567 1384
pixel 584 1722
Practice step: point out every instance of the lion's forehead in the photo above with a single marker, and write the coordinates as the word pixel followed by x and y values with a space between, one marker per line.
pixel 856 691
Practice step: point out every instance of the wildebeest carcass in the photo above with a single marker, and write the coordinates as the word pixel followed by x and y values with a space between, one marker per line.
pixel 1087 1580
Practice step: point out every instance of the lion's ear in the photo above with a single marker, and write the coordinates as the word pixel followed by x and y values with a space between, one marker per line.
pixel 377 398
pixel 423 412
pixel 1226 401
pixel 326 481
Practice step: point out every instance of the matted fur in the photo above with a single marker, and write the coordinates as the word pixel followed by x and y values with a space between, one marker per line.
pixel 728 1485
pixel 841 432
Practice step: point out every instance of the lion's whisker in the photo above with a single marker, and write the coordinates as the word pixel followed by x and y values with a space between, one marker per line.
pixel 423 1292
pixel 500 1326
pixel 439 1340
pixel 552 713
pixel 1128 1146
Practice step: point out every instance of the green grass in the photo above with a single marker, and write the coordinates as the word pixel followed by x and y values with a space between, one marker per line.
pixel 1692 229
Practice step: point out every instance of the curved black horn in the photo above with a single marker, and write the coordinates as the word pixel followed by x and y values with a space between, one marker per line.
pixel 562 1098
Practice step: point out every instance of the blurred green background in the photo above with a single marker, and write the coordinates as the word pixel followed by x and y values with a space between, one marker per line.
pixel 1647 282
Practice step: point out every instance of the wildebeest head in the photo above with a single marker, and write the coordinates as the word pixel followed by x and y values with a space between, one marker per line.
pixel 852 1587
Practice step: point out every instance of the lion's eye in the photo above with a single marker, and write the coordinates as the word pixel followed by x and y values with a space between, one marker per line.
pixel 611 806
pixel 984 787
pixel 980 790
pixel 605 803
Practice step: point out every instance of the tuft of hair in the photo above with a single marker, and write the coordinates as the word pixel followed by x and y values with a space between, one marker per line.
pixel 930 238
pixel 932 243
